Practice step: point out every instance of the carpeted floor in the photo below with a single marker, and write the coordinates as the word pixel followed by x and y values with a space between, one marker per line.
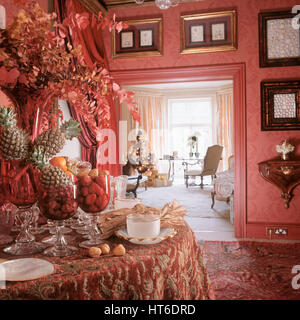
pixel 252 270
pixel 197 200
pixel 207 223
pixel 239 270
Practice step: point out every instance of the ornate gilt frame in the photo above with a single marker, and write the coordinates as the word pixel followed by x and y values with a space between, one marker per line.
pixel 269 122
pixel 137 51
pixel 209 16
pixel 264 60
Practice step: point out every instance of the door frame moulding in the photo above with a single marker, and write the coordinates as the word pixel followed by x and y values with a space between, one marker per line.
pixel 234 72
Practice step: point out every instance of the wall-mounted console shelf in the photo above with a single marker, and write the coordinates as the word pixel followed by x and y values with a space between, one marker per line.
pixel 285 174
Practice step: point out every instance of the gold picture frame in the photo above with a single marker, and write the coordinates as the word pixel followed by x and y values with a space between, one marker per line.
pixel 218 32
pixel 140 48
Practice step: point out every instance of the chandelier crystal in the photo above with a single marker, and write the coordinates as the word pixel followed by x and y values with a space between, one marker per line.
pixel 162 4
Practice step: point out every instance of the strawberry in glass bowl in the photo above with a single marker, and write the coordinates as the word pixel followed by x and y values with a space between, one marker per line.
pixel 93 197
pixel 57 200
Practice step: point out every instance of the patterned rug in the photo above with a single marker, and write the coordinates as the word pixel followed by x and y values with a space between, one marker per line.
pixel 253 270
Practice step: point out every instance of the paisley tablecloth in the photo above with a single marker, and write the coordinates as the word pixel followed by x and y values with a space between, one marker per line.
pixel 172 269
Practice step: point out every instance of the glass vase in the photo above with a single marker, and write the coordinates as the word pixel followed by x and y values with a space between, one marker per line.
pixel 22 192
pixel 58 203
pixel 93 197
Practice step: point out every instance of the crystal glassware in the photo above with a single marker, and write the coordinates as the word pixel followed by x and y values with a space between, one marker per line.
pixel 120 186
pixel 93 197
pixel 51 227
pixel 22 192
pixel 7 217
pixel 35 228
pixel 6 208
pixel 58 203
pixel 111 204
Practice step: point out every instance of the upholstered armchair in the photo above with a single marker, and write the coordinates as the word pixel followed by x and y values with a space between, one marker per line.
pixel 209 168
pixel 224 186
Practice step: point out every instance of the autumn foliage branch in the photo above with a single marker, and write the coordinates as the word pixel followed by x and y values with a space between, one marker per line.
pixel 40 66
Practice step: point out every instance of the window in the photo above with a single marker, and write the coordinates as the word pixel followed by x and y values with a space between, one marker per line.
pixel 187 117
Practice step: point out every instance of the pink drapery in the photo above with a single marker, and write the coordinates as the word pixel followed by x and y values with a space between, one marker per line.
pixel 93 51
pixel 225 127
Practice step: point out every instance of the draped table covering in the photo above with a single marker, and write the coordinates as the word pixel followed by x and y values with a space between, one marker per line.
pixel 171 269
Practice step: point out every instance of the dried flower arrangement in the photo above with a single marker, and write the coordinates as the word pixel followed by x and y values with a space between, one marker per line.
pixel 39 66
pixel 284 148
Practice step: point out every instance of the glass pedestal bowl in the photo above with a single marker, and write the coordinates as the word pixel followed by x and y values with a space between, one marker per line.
pixel 93 197
pixel 21 189
pixel 58 204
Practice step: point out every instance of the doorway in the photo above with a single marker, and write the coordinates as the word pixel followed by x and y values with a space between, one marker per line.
pixel 234 72
pixel 172 113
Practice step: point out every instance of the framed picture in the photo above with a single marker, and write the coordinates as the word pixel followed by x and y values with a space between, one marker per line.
pixel 141 38
pixel 280 109
pixel 146 38
pixel 208 32
pixel 197 33
pixel 126 39
pixel 218 31
pixel 279 39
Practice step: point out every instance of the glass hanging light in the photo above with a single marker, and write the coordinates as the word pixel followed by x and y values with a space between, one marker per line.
pixel 162 4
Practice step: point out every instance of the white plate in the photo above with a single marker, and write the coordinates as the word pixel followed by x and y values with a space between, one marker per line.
pixel 25 269
pixel 164 234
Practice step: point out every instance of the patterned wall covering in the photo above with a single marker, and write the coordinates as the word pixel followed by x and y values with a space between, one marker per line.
pixel 12 9
pixel 263 199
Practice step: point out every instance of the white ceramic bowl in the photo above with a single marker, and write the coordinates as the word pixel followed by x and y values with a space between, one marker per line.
pixel 143 226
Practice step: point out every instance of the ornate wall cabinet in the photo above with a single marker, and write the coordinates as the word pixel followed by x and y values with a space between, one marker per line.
pixel 285 174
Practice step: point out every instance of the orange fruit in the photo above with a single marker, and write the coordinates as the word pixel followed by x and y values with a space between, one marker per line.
pixel 59 162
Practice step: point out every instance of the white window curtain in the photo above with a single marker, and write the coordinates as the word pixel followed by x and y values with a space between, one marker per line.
pixel 153 110
pixel 225 127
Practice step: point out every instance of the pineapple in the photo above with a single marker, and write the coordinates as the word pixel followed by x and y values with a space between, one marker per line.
pixel 51 176
pixel 53 140
pixel 14 142
pixel 55 176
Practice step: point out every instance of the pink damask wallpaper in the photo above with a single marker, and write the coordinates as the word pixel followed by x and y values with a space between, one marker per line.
pixel 12 8
pixel 264 205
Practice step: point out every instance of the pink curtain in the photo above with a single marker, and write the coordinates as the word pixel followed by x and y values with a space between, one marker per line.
pixel 93 50
pixel 225 128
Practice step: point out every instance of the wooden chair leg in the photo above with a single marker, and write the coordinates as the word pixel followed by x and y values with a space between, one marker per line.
pixel 212 199
pixel 201 184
